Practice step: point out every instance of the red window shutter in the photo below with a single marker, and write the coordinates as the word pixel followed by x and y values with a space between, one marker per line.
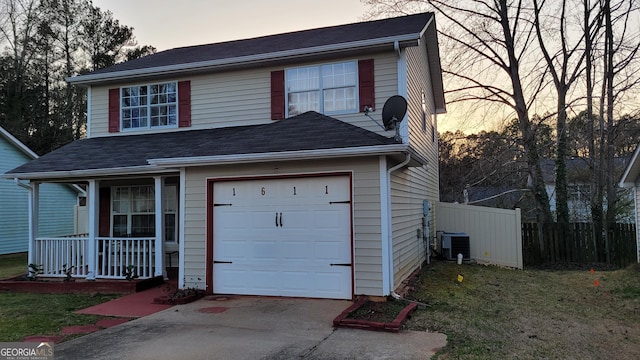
pixel 114 110
pixel 277 95
pixel 366 84
pixel 104 216
pixel 184 103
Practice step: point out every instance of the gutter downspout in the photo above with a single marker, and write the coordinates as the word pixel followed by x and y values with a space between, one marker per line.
pixel 396 47
pixel 389 220
pixel 30 257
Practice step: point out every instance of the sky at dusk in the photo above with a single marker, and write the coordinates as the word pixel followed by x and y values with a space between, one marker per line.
pixel 167 24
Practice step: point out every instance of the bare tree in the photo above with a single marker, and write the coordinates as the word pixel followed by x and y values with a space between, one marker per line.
pixel 562 49
pixel 487 42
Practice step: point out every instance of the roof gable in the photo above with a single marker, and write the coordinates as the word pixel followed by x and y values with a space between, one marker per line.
pixel 17 143
pixel 313 41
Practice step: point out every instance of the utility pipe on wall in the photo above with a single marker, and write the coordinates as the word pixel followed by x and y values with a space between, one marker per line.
pixel 389 219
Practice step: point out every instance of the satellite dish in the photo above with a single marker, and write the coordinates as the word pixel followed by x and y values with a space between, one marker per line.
pixel 393 111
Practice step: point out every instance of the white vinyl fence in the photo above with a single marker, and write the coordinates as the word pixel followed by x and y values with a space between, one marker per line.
pixel 495 235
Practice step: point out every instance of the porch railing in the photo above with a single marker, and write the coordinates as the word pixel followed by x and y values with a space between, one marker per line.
pixel 60 256
pixel 119 258
pixel 115 258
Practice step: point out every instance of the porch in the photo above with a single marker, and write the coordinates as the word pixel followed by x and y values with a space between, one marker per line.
pixel 110 258
pixel 117 234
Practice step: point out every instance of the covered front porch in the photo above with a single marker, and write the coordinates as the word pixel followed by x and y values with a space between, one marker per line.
pixel 118 235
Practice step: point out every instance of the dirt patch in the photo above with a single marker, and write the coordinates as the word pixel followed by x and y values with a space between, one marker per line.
pixel 382 312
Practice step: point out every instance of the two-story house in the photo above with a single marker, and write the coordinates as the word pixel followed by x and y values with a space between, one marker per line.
pixel 255 166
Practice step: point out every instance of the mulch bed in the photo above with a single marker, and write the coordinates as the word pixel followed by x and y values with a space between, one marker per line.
pixel 378 316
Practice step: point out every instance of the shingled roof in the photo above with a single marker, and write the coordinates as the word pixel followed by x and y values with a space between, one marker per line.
pixel 348 37
pixel 308 131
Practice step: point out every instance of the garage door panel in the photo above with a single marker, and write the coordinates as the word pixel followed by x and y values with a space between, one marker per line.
pixel 281 237
pixel 333 283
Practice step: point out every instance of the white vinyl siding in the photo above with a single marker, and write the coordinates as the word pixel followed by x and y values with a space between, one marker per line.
pixel 366 215
pixel 243 97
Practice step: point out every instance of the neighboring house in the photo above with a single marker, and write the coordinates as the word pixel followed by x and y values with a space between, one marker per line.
pixel 57 202
pixel 579 189
pixel 258 155
pixel 631 180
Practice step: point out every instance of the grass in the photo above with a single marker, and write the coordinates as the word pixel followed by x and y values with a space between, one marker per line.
pixel 13 265
pixel 498 313
pixel 44 314
pixel 39 314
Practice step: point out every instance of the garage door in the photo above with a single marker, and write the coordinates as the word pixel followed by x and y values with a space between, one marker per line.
pixel 283 237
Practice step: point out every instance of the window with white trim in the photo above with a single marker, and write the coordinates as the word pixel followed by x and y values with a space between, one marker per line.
pixel 170 200
pixel 133 211
pixel 149 106
pixel 327 89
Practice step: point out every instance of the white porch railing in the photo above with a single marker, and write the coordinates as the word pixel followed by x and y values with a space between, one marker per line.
pixel 122 257
pixel 115 258
pixel 60 254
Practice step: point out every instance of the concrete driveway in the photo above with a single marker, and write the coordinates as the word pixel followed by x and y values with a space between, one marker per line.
pixel 248 328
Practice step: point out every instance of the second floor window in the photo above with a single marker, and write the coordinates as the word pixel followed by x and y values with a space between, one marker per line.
pixel 148 106
pixel 327 89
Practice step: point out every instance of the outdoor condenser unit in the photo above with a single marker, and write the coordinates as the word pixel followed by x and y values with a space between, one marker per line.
pixel 454 244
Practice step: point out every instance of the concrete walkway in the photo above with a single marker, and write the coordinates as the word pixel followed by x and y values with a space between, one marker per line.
pixel 248 328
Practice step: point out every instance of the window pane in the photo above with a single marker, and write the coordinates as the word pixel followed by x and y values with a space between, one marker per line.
pixel 170 198
pixel 120 225
pixel 303 102
pixel 340 99
pixel 170 227
pixel 143 199
pixel 143 225
pixel 338 75
pixel 121 200
pixel 302 79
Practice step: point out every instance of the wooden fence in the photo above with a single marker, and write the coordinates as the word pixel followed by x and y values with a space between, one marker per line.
pixel 576 242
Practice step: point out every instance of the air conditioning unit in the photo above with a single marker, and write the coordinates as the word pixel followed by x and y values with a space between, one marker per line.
pixel 454 244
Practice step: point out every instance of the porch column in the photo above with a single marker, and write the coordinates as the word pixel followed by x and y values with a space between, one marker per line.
pixel 160 269
pixel 34 212
pixel 93 207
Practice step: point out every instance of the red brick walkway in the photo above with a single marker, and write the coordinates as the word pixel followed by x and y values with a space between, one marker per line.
pixel 122 309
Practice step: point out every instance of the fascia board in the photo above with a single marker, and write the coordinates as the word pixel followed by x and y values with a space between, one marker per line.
pixel 52 175
pixel 22 147
pixel 205 65
pixel 279 156
pixel 632 170
pixel 162 165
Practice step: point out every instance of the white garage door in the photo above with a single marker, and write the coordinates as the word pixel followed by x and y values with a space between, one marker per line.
pixel 283 237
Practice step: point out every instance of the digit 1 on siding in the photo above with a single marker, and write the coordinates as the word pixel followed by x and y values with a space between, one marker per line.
pixel 234 191
pixel 326 189
pixel 294 191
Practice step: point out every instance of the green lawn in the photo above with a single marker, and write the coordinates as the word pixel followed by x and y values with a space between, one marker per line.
pixel 39 314
pixel 13 265
pixel 44 314
pixel 498 313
